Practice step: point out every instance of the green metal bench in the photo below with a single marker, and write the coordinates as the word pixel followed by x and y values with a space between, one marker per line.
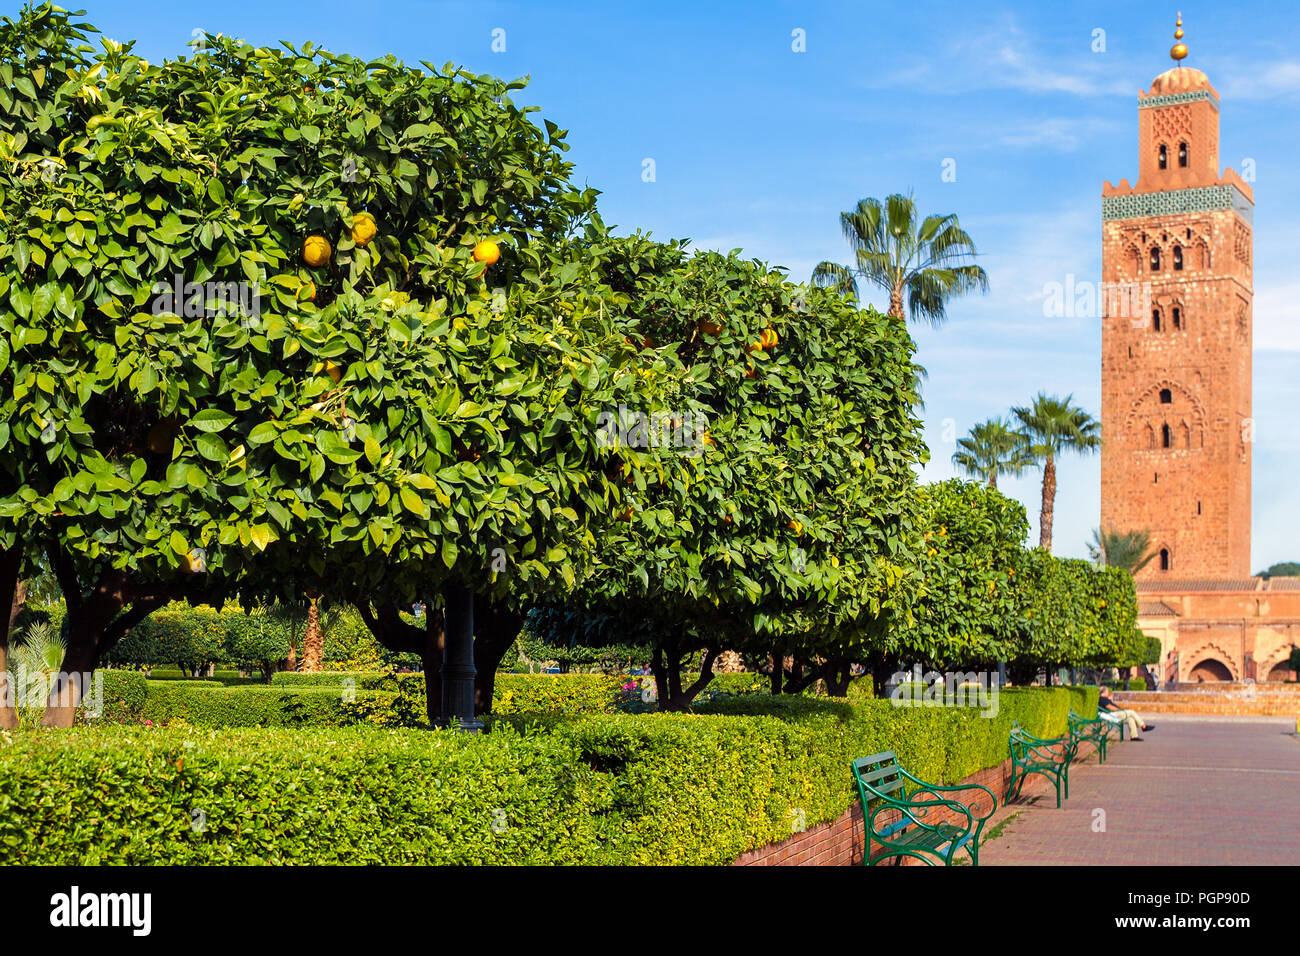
pixel 1049 757
pixel 1116 722
pixel 1095 731
pixel 923 824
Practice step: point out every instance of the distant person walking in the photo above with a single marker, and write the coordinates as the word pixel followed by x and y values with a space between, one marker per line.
pixel 1136 725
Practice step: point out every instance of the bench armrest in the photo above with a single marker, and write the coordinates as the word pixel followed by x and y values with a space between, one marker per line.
pixel 1030 738
pixel 974 806
pixel 1044 749
pixel 916 811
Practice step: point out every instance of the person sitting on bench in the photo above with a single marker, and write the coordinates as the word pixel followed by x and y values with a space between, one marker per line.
pixel 1136 725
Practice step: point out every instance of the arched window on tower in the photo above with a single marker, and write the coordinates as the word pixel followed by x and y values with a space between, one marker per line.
pixel 1155 319
pixel 1182 154
pixel 1155 259
pixel 1166 436
pixel 1166 396
pixel 1164 156
pixel 1178 257
pixel 1164 559
pixel 1178 317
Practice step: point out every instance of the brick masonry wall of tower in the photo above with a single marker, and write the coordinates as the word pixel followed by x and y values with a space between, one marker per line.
pixel 1176 399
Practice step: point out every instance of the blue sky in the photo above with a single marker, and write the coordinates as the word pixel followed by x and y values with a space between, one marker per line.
pixel 760 147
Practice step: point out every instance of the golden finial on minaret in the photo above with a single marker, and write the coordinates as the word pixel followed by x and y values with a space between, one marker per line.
pixel 1179 49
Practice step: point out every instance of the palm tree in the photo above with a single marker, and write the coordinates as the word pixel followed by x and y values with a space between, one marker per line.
pixel 1052 426
pixel 927 260
pixel 1130 550
pixel 34 661
pixel 993 448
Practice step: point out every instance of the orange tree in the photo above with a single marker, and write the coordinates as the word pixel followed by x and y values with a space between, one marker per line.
pixel 1070 613
pixel 248 343
pixel 778 516
pixel 957 605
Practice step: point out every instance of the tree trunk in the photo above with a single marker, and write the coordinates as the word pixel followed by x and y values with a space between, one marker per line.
pixel 313 640
pixel 10 585
pixel 290 660
pixel 495 630
pixel 386 624
pixel 778 672
pixel 1049 504
pixel 660 662
pixel 896 302
pixel 993 481
pixel 95 621
pixel 838 678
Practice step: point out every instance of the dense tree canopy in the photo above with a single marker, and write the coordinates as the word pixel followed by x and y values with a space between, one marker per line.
pixel 392 412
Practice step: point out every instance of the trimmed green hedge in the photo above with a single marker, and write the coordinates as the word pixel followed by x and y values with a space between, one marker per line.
pixel 514 693
pixel 340 796
pixel 597 789
pixel 216 706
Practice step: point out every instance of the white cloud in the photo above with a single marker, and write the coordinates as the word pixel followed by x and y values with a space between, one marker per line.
pixel 1004 57
pixel 1255 81
pixel 1277 315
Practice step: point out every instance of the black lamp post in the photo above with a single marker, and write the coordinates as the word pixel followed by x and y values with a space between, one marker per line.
pixel 458 661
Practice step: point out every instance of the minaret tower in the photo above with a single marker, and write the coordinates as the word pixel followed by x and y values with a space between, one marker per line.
pixel 1176 338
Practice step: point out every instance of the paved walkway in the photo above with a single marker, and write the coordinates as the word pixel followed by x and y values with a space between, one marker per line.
pixel 1197 790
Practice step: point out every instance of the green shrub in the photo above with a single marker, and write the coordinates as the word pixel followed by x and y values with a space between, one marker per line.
pixel 216 706
pixel 696 788
pixel 327 796
pixel 556 693
pixel 747 682
pixel 514 693
pixel 125 693
pixel 362 680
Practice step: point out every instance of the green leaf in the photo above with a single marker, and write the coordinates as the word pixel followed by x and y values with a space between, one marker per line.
pixel 413 502
pixel 179 544
pixel 263 433
pixel 212 447
pixel 212 420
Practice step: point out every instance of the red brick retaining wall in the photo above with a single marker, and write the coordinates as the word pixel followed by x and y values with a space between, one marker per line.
pixel 839 843
pixel 1264 701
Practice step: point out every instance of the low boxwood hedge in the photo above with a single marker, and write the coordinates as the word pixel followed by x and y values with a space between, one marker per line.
pixel 595 789
pixel 514 693
pixel 217 706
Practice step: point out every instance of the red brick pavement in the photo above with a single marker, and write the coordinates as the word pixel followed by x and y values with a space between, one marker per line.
pixel 1197 790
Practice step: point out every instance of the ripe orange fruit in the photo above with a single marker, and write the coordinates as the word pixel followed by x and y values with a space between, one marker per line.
pixel 709 327
pixel 363 228
pixel 625 514
pixel 316 251
pixel 769 338
pixel 796 527
pixel 706 438
pixel 487 251
pixel 332 370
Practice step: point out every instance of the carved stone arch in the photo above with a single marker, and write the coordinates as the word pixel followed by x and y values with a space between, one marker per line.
pixel 1184 434
pixel 1264 665
pixel 1210 651
pixel 1146 405
pixel 1166 303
